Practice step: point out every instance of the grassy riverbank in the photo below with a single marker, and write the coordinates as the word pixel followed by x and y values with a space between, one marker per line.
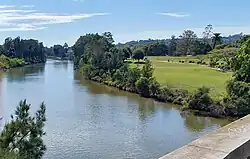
pixel 189 76
pixel 193 85
pixel 7 63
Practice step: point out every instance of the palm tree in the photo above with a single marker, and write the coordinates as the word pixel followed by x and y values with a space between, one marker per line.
pixel 216 39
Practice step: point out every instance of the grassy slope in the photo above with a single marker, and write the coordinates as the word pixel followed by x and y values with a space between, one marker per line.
pixel 189 76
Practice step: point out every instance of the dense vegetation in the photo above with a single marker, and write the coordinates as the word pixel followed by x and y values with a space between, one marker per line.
pixel 99 60
pixel 6 62
pixel 17 52
pixel 21 138
pixel 186 44
pixel 60 51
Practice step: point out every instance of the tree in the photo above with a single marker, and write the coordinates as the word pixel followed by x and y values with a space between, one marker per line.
pixel 238 88
pixel 217 39
pixel 138 54
pixel 127 52
pixel 142 86
pixel 172 46
pixel 186 42
pixel 156 49
pixel 23 134
pixel 200 47
pixel 243 40
pixel 147 69
pixel 66 48
pixel 208 34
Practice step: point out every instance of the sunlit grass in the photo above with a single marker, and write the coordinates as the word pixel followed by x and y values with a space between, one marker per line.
pixel 189 76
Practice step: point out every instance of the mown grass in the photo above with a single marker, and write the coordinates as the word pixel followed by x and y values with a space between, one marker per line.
pixel 189 76
pixel 205 58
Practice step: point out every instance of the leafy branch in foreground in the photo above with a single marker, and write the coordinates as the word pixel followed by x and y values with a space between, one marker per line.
pixel 22 136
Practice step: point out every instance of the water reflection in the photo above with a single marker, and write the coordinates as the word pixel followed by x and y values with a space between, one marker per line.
pixel 60 64
pixel 198 124
pixel 25 73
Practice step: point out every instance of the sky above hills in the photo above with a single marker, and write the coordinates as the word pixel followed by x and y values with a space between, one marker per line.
pixel 59 21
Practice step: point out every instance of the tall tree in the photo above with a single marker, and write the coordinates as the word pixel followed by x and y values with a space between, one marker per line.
pixel 138 54
pixel 217 39
pixel 66 48
pixel 172 46
pixel 208 34
pixel 185 45
pixel 127 52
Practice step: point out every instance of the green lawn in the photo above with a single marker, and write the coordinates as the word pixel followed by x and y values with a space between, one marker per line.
pixel 180 58
pixel 189 76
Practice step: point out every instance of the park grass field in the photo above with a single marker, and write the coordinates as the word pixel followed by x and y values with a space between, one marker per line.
pixel 189 76
pixel 205 58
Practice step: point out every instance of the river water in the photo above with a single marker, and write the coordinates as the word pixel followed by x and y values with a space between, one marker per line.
pixel 87 120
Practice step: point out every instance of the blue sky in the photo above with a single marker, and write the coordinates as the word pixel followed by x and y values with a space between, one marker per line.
pixel 59 21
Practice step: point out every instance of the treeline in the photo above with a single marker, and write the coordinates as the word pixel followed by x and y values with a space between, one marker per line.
pixel 62 51
pixel 32 51
pixel 99 60
pixel 186 44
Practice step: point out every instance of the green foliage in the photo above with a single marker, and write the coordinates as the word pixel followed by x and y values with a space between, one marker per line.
pixel 138 54
pixel 32 51
pixel 172 46
pixel 238 100
pixel 8 155
pixel 238 89
pixel 156 49
pixel 142 86
pixel 241 63
pixel 101 61
pixel 147 69
pixel 6 62
pixel 200 100
pixel 127 52
pixel 154 88
pixel 22 136
pixel 217 39
pixel 243 40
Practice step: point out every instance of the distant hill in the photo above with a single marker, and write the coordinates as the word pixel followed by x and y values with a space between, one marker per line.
pixel 229 39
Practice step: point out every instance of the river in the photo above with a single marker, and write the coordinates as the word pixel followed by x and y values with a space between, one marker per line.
pixel 89 120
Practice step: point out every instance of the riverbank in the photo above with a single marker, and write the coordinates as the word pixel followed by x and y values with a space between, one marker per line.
pixel 178 101
pixel 7 63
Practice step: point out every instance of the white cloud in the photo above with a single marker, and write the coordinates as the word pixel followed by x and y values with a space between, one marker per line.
pixel 6 6
pixel 25 19
pixel 176 15
pixel 163 34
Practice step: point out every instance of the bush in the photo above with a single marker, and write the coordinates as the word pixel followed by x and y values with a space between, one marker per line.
pixel 142 86
pixel 238 100
pixel 6 62
pixel 154 88
pixel 200 100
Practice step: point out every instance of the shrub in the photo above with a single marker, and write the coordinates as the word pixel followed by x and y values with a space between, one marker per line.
pixel 200 100
pixel 154 88
pixel 142 86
